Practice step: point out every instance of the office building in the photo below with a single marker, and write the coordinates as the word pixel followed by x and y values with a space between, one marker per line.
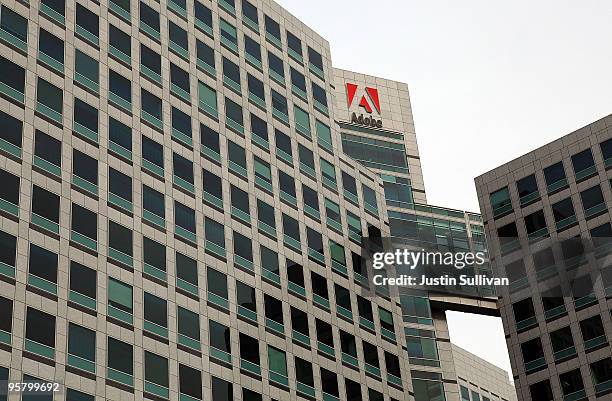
pixel 178 220
pixel 547 223
pixel 374 118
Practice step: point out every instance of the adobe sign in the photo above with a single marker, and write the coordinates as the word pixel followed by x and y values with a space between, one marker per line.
pixel 366 93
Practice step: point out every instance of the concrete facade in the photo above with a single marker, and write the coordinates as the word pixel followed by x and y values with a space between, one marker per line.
pixel 559 340
pixel 117 312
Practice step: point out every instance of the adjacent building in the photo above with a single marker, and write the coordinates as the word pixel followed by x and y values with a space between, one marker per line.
pixel 480 380
pixel 547 219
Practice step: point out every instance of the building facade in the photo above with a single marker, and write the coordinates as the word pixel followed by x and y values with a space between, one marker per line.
pixel 374 118
pixel 547 221
pixel 480 380
pixel 178 220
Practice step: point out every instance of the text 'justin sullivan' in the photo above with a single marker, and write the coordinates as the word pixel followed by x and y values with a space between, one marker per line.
pixel 445 280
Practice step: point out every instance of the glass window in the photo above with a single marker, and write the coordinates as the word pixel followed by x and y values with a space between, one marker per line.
pixel 120 86
pixel 155 310
pixel 152 152
pixel 249 348
pixel 209 138
pixel 299 321
pixel 286 183
pixel 601 372
pixel 422 348
pixel 83 280
pixel 149 17
pixel 273 308
pixel 269 260
pixel 178 35
pixel 8 249
pixel 9 190
pixel 319 95
pixel 328 171
pixel 120 295
pixel 51 46
pixel 217 282
pixel 315 59
pixel 592 201
pixel 231 71
pixel 214 232
pixel 277 67
pixel 319 287
pixel 151 104
pixel 249 11
pixel 153 201
pixel 85 167
pixel 74 395
pixel 465 393
pixel 84 222
pixel 265 213
pixel 582 161
pixel 119 238
pixel 324 135
pixel 337 253
pixel 220 336
pixel 119 133
pixel 46 147
pixel 329 382
pixel 298 81
pixel 236 154
pixel 186 269
pixel 277 362
pixel 47 94
pixel 535 223
pixel 272 28
pixel 120 356
pixel 43 263
pixel 333 211
pixel 81 342
pixel 154 253
pixel 228 32
pixel 302 121
pixel 86 66
pixel 571 382
pixel 295 273
pixel 40 327
pixel 239 199
pixel 184 217
pixel 221 390
pixel 563 210
pixel 311 199
pixel 85 115
pixel 500 201
pixel 283 142
pixel 353 390
pixel 15 24
pixel 119 40
pixel 541 391
pixel 212 184
pixel 527 188
pixel 252 48
pixel 279 103
pixel 233 112
pixel 294 43
pixel 205 53
pixel 190 381
pixel 245 296
pixel 256 88
pixel 150 59
pixel 259 127
pixel 291 227
pixel 13 76
pixel 183 168
pixel 208 102
pixel 155 369
pixel 243 247
pixel 87 19
pixel 203 15
pixel 181 122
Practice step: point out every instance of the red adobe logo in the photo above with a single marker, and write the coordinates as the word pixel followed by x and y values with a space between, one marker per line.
pixel 351 90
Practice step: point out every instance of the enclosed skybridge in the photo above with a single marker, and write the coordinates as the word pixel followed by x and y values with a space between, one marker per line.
pixel 453 278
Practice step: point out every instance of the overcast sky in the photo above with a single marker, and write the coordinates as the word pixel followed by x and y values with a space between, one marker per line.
pixel 489 81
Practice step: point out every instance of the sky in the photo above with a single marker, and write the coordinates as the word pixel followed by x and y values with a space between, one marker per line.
pixel 489 81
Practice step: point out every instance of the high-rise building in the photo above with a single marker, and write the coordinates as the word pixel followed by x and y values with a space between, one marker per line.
pixel 178 220
pixel 547 222
pixel 480 380
pixel 374 118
